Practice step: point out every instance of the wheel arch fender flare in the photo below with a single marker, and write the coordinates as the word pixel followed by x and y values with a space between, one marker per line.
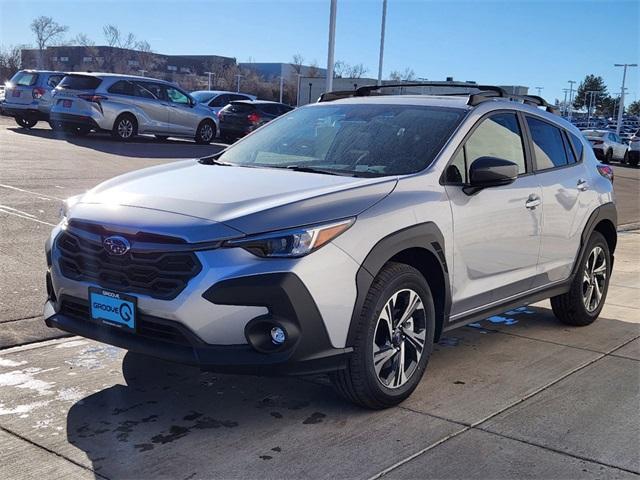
pixel 411 245
pixel 603 219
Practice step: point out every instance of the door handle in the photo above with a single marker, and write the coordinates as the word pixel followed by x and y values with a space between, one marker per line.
pixel 582 185
pixel 532 202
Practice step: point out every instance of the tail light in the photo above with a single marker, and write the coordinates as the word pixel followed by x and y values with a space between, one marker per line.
pixel 38 92
pixel 606 171
pixel 253 117
pixel 598 142
pixel 220 114
pixel 92 98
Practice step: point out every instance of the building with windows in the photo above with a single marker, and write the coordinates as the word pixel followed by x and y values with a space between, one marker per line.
pixel 122 60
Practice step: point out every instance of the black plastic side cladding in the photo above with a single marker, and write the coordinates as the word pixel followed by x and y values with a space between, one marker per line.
pixel 425 236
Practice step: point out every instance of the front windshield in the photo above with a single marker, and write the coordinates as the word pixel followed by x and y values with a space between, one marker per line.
pixel 360 140
pixel 202 97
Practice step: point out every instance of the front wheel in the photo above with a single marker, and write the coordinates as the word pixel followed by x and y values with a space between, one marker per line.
pixel 26 122
pixel 582 304
pixel 205 133
pixel 393 342
pixel 625 159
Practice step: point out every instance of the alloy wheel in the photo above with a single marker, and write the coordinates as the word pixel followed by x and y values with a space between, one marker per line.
pixel 594 279
pixel 125 128
pixel 206 132
pixel 399 338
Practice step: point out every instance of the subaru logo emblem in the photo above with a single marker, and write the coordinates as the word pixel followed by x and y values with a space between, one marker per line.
pixel 116 245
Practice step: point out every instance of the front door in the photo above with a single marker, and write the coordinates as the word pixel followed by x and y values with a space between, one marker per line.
pixel 496 231
pixel 182 118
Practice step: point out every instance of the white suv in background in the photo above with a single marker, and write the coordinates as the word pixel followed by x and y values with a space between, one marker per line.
pixel 606 145
pixel 342 237
pixel 128 105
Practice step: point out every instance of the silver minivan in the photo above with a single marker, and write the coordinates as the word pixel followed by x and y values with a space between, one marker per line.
pixel 128 105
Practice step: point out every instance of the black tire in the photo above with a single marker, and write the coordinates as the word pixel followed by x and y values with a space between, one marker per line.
pixel 205 133
pixel 570 307
pixel 162 138
pixel 359 382
pixel 26 122
pixel 634 162
pixel 80 131
pixel 125 127
pixel 625 159
pixel 608 156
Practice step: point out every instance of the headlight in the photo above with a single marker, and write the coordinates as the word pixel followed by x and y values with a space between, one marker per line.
pixel 293 243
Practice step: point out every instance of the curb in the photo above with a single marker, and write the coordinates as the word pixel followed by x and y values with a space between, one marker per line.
pixel 629 227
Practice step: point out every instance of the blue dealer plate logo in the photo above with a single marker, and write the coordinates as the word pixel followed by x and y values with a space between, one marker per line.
pixel 113 308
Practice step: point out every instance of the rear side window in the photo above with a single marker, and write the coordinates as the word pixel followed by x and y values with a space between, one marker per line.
pixel 577 145
pixel 156 89
pixel 54 80
pixel 270 109
pixel 121 88
pixel 24 79
pixel 497 136
pixel 240 108
pixel 220 101
pixel 568 150
pixel 80 82
pixel 548 147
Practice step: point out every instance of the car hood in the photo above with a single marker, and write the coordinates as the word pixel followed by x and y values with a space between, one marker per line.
pixel 250 200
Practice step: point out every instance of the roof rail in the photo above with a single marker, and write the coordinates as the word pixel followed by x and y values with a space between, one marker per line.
pixel 485 93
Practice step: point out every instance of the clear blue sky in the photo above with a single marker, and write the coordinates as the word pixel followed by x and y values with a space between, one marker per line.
pixel 533 43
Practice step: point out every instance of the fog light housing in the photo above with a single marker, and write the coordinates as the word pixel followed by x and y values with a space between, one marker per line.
pixel 278 336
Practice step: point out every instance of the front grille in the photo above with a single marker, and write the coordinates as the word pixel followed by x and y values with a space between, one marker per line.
pixel 161 275
pixel 146 326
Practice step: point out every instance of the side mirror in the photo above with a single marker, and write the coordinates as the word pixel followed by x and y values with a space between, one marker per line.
pixel 487 172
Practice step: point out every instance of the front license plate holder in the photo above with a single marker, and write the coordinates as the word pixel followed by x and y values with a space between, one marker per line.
pixel 113 308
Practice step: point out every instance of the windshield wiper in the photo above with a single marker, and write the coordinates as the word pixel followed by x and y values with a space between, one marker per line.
pixel 215 161
pixel 299 168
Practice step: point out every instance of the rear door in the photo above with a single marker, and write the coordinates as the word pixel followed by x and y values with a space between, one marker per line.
pixel 150 98
pixel 66 98
pixel 558 163
pixel 497 230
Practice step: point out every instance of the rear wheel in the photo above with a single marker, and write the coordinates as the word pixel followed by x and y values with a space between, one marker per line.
pixel 625 159
pixel 26 122
pixel 608 156
pixel 80 131
pixel 205 133
pixel 582 304
pixel 394 339
pixel 634 161
pixel 125 127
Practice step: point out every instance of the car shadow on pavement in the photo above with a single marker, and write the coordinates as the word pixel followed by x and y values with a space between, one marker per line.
pixel 141 147
pixel 165 409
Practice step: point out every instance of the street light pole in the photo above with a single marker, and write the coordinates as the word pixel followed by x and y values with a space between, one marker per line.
pixel 209 74
pixel 298 91
pixel 564 104
pixel 332 45
pixel 142 72
pixel 238 76
pixel 539 90
pixel 621 106
pixel 281 87
pixel 571 82
pixel 382 28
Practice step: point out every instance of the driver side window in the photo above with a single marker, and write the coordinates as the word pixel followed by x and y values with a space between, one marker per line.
pixel 497 136
pixel 176 96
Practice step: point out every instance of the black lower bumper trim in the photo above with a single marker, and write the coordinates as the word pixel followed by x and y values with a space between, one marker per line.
pixel 24 112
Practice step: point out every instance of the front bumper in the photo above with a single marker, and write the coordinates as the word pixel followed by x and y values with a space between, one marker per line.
pixel 307 350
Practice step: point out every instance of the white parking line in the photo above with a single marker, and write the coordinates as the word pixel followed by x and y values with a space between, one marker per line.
pixel 6 207
pixel 8 212
pixel 30 192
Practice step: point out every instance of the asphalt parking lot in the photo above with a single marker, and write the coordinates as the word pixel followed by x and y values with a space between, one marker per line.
pixel 517 395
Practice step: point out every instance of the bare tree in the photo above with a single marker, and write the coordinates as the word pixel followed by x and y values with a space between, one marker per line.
pixel 297 62
pixel 46 30
pixel 406 75
pixel 313 71
pixel 10 62
pixel 356 71
pixel 83 40
pixel 339 69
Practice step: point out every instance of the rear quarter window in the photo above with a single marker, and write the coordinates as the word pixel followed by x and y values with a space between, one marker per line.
pixel 24 79
pixel 80 82
pixel 240 108
pixel 577 145
pixel 548 147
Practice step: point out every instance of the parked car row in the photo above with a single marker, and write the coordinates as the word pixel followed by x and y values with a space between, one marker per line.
pixel 127 105
pixel 608 146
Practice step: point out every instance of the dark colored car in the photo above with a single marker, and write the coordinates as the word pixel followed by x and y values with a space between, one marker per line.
pixel 243 116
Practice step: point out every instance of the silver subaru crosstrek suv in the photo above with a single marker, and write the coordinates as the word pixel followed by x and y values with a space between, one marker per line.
pixel 127 105
pixel 343 237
